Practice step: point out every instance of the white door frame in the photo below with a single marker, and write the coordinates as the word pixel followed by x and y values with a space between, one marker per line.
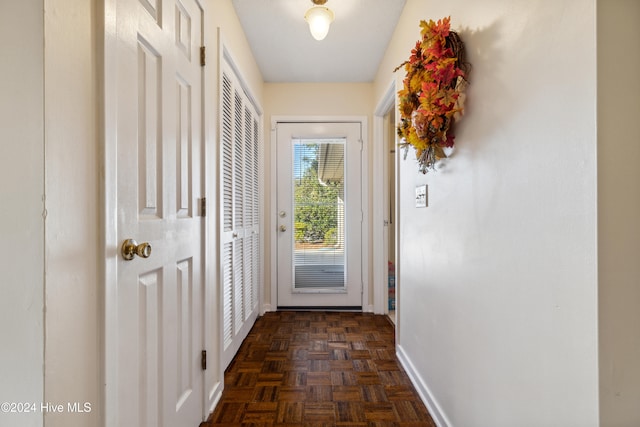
pixel 214 376
pixel 110 231
pixel 380 180
pixel 273 214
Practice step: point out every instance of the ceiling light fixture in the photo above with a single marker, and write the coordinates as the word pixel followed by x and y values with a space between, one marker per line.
pixel 319 18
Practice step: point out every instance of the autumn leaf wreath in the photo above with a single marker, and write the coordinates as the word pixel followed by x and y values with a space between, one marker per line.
pixel 432 96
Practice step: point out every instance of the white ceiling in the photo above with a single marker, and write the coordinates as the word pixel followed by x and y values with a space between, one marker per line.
pixel 286 52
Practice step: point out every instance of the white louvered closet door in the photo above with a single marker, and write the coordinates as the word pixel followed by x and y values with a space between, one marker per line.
pixel 240 213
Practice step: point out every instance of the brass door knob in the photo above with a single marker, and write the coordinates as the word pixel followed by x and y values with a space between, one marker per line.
pixel 131 248
pixel 283 228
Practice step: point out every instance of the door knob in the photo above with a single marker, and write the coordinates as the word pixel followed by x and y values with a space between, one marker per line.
pixel 283 228
pixel 131 248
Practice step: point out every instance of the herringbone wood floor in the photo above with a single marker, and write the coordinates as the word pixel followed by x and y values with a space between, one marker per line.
pixel 319 369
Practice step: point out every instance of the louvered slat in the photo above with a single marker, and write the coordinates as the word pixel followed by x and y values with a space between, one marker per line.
pixel 256 183
pixel 255 268
pixel 239 284
pixel 248 167
pixel 227 155
pixel 238 155
pixel 248 271
pixel 227 292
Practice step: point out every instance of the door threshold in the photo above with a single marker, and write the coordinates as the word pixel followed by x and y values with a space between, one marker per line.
pixel 319 308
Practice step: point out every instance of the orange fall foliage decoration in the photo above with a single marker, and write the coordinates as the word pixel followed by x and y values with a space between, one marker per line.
pixel 433 92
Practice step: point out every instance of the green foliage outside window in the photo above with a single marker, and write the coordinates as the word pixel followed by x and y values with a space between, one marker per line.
pixel 316 203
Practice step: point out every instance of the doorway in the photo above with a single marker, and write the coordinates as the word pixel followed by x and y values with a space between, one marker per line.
pixel 319 215
pixel 390 210
pixel 385 208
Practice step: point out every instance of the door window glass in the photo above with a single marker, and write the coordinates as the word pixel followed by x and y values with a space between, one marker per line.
pixel 319 213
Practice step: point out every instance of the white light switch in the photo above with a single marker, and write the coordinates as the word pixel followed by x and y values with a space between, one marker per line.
pixel 421 196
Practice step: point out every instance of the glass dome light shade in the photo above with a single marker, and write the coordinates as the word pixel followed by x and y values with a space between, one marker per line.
pixel 319 19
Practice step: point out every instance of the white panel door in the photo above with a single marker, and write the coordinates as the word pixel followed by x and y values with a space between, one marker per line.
pixel 319 208
pixel 240 213
pixel 156 320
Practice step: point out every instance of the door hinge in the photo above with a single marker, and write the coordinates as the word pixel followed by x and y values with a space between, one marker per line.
pixel 203 206
pixel 203 360
pixel 203 56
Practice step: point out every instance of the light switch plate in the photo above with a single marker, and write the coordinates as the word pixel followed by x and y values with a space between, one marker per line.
pixel 421 196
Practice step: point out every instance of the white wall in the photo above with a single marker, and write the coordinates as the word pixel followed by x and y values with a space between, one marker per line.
pixel 619 211
pixel 21 221
pixel 73 368
pixel 223 16
pixel 498 276
pixel 308 99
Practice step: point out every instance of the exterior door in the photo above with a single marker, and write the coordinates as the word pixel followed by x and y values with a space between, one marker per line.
pixel 155 314
pixel 319 208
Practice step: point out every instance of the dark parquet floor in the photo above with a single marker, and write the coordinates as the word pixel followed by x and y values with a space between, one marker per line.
pixel 319 369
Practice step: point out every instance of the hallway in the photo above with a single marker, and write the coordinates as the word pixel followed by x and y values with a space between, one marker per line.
pixel 317 368
pixel 517 283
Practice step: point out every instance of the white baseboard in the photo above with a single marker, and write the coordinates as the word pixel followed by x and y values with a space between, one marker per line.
pixel 427 397
pixel 365 308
